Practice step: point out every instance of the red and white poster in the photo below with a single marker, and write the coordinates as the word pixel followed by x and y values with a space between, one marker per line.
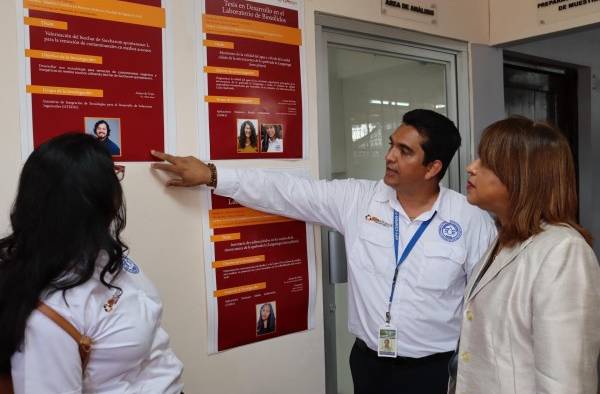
pixel 96 66
pixel 252 65
pixel 260 275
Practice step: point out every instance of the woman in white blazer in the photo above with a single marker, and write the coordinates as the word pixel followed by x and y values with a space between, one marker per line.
pixel 531 320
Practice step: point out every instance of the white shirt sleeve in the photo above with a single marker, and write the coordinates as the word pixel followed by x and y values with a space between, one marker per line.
pixel 50 362
pixel 319 201
pixel 158 370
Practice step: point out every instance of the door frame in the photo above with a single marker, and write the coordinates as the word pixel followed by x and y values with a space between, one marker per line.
pixel 327 26
pixel 583 111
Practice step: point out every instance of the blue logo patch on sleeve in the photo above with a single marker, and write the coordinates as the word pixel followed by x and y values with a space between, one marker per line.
pixel 450 231
pixel 130 266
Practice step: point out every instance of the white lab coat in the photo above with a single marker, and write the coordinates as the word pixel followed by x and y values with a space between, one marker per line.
pixel 130 353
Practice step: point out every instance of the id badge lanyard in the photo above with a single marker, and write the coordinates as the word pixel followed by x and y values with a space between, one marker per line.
pixel 405 253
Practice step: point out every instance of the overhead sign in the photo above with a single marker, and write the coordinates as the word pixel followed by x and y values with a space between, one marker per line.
pixel 549 11
pixel 414 10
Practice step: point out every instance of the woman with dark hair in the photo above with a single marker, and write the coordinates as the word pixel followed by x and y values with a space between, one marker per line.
pixel 65 258
pixel 247 139
pixel 532 307
pixel 266 320
pixel 102 132
pixel 271 138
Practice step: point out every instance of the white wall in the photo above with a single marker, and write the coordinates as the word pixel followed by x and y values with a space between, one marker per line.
pixel 513 20
pixel 10 153
pixel 465 20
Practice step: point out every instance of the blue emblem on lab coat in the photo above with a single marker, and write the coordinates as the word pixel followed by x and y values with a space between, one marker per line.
pixel 450 231
pixel 130 266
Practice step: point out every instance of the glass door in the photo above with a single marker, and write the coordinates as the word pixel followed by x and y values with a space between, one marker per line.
pixel 367 84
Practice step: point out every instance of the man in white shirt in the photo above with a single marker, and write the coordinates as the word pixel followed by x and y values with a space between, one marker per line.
pixel 411 245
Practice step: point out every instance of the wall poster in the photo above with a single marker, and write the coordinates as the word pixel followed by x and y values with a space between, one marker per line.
pixel 252 67
pixel 260 274
pixel 99 67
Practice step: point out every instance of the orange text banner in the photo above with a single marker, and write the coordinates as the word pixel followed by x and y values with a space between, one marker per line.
pixel 48 23
pixel 63 56
pixel 247 72
pixel 225 237
pixel 218 44
pixel 238 217
pixel 240 289
pixel 239 261
pixel 116 11
pixel 64 91
pixel 232 100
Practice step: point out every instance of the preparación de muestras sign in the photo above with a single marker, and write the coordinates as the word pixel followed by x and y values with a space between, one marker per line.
pixel 414 10
pixel 549 11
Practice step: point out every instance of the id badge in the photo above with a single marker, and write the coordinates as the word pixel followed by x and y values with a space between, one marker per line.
pixel 386 341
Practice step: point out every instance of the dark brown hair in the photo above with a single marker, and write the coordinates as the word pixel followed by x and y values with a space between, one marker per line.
pixel 534 161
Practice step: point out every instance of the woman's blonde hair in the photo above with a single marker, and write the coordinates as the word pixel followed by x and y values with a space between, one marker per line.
pixel 535 163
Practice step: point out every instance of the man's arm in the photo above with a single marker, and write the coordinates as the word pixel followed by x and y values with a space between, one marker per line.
pixel 328 203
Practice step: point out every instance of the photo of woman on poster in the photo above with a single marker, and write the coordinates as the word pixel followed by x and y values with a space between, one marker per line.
pixel 247 138
pixel 272 139
pixel 266 318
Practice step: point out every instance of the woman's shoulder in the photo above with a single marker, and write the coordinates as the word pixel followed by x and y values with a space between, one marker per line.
pixel 558 244
pixel 133 278
pixel 558 233
pixel 91 303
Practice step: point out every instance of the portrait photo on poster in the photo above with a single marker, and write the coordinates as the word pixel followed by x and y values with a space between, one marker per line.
pixel 265 318
pixel 107 130
pixel 272 137
pixel 247 136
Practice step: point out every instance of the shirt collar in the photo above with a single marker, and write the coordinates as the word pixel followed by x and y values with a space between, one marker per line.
pixel 386 194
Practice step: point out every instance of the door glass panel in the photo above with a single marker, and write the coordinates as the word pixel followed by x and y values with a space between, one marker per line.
pixel 369 92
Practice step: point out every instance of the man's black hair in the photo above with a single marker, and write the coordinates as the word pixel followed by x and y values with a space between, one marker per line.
pixel 440 135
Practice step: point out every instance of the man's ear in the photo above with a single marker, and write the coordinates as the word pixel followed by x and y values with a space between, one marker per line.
pixel 433 169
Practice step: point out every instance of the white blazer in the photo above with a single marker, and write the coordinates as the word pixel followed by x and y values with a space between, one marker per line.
pixel 532 323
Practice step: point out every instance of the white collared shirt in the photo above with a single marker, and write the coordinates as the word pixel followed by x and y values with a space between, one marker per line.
pixel 427 303
pixel 130 350
pixel 275 145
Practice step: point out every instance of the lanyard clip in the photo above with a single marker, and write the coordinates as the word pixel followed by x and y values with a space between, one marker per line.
pixel 388 317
